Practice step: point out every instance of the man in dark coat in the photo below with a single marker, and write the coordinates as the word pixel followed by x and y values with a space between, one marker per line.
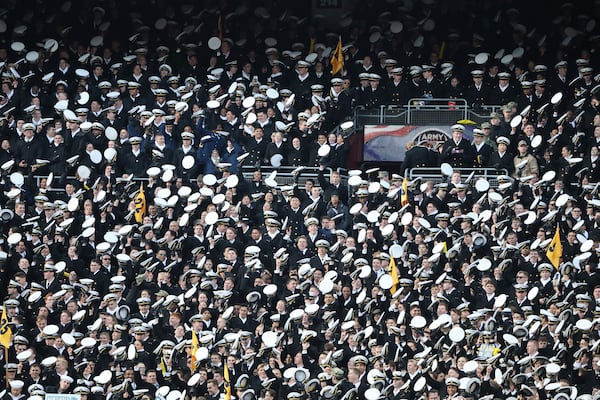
pixel 504 91
pixel 338 104
pixel 502 158
pixel 418 156
pixel 481 150
pixel 256 145
pixel 478 93
pixel 377 95
pixel 135 161
pixel 27 149
pixel 300 84
pixel 457 151
pixel 397 90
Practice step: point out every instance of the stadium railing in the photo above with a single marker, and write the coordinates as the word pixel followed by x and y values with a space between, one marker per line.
pixel 433 174
pixel 423 111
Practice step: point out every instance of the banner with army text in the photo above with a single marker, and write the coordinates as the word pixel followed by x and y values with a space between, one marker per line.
pixel 387 143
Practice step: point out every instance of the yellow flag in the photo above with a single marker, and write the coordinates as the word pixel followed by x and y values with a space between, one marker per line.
pixel 404 193
pixel 394 274
pixel 5 331
pixel 227 383
pixel 195 346
pixel 337 60
pixel 140 205
pixel 554 252
pixel 163 365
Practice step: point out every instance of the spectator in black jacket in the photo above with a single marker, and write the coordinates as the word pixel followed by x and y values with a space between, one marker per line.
pixel 502 158
pixel 135 161
pixel 276 146
pixel 376 96
pixel 481 150
pixel 457 151
pixel 504 91
pixel 418 155
pixel 477 93
pixel 333 185
pixel 28 149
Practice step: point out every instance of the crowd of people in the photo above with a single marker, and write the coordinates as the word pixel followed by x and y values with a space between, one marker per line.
pixel 140 260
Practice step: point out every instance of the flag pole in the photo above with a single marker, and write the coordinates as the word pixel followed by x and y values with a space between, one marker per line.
pixel 4 315
pixel 6 362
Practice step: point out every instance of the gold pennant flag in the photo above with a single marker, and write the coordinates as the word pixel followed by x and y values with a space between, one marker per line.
pixel 227 384
pixel 394 274
pixel 140 205
pixel 5 331
pixel 555 250
pixel 337 60
pixel 163 366
pixel 195 347
pixel 404 193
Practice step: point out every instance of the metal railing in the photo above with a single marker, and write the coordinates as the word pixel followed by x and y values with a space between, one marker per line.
pixel 483 114
pixel 436 111
pixel 434 174
pixel 284 176
pixel 427 111
pixel 53 189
